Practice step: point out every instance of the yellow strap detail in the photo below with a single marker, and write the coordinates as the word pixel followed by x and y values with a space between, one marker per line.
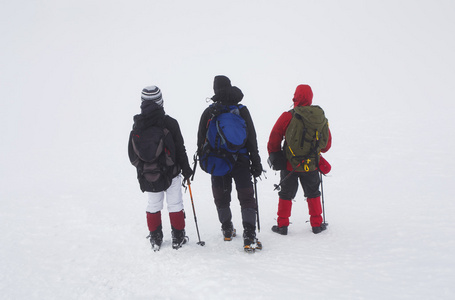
pixel 291 151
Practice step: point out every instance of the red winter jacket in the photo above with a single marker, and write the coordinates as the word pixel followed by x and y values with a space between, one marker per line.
pixel 303 96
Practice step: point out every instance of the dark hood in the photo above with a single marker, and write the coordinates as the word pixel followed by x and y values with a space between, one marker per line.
pixel 221 83
pixel 151 114
pixel 232 95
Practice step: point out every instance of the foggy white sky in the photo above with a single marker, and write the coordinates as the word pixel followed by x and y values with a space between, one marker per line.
pixel 72 71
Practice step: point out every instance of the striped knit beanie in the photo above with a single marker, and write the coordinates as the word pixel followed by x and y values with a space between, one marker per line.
pixel 152 93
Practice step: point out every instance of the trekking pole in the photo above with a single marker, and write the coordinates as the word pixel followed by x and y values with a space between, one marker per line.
pixel 278 186
pixel 322 195
pixel 194 165
pixel 194 213
pixel 257 205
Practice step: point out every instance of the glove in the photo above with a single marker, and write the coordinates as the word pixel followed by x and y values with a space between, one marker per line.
pixel 187 173
pixel 256 170
pixel 277 161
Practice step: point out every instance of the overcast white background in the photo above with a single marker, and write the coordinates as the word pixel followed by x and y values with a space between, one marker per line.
pixel 71 213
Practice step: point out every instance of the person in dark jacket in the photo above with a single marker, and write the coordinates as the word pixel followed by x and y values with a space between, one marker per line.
pixel 152 114
pixel 246 165
pixel 310 181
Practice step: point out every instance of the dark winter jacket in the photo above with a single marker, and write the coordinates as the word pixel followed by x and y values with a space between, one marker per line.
pixel 232 96
pixel 153 115
pixel 303 96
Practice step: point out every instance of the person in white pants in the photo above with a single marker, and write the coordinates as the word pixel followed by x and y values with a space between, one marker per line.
pixel 145 140
pixel 174 200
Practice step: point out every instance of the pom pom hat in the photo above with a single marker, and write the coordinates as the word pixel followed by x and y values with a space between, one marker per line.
pixel 152 93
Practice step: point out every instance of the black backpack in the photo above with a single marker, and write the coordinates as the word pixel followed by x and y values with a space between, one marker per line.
pixel 155 159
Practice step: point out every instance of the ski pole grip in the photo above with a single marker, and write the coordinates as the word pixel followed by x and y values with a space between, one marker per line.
pixel 194 165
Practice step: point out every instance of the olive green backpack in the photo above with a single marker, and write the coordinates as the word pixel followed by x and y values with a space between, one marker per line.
pixel 306 135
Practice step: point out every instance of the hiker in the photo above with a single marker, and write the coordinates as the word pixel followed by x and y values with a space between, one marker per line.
pixel 299 159
pixel 243 164
pixel 159 167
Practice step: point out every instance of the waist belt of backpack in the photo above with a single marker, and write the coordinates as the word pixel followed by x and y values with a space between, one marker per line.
pixel 301 160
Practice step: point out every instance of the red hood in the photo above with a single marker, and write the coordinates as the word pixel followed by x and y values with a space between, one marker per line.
pixel 303 95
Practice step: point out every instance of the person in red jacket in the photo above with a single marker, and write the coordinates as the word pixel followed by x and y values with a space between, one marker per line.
pixel 310 181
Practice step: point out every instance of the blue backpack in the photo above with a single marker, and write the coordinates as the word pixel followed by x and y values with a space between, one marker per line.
pixel 225 140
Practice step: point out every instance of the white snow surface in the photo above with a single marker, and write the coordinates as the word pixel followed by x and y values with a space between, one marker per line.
pixel 72 216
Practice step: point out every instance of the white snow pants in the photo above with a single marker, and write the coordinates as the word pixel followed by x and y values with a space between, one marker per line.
pixel 174 197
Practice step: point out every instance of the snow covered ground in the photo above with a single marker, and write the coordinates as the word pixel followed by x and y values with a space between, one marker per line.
pixel 72 216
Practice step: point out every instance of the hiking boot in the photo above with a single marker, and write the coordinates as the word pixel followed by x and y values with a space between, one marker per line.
pixel 228 231
pixel 250 242
pixel 280 230
pixel 156 238
pixel 319 229
pixel 178 238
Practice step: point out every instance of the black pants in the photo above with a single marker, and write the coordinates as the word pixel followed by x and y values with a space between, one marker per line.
pixel 222 188
pixel 310 182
